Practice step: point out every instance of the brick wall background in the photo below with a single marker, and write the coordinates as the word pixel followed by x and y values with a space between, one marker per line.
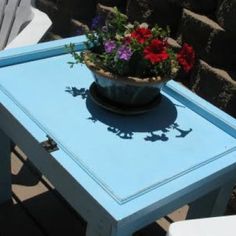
pixel 208 25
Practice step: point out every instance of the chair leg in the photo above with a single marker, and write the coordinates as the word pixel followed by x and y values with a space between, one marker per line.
pixel 222 199
pixel 212 204
pixel 105 231
pixel 5 168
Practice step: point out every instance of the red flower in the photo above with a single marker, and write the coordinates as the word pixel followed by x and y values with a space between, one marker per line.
pixel 141 34
pixel 156 51
pixel 186 57
pixel 127 40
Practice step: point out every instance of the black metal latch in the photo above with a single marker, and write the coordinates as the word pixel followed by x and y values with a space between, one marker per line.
pixel 49 145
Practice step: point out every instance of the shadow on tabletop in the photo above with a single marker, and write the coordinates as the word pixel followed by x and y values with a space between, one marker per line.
pixel 155 124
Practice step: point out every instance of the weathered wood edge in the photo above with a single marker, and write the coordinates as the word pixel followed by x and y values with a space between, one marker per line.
pixel 202 107
pixel 39 51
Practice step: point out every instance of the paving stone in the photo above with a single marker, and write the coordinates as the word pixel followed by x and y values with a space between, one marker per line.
pixel 45 206
pixel 20 152
pixel 24 183
pixel 25 163
pixel 163 223
pixel 200 6
pixel 216 86
pixel 211 42
pixel 179 214
pixel 226 15
pixel 155 12
pixel 16 165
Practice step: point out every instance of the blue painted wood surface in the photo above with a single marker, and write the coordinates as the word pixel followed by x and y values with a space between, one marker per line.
pixel 128 164
pixel 133 150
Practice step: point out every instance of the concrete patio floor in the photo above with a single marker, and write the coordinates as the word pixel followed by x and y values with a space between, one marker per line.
pixel 38 209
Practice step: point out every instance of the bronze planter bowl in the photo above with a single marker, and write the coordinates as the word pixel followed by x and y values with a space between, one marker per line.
pixel 125 91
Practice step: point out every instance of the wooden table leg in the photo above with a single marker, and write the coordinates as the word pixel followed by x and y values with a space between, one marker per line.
pixel 212 204
pixel 105 230
pixel 5 168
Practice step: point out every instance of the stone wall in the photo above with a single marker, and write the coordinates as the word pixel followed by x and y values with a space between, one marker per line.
pixel 67 15
pixel 208 25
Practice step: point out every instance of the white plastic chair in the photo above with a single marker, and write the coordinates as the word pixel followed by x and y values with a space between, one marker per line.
pixel 21 24
pixel 213 226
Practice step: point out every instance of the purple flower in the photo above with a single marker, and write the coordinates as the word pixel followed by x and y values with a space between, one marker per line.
pixel 97 22
pixel 109 46
pixel 124 53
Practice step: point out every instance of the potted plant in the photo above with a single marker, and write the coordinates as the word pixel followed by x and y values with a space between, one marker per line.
pixel 131 62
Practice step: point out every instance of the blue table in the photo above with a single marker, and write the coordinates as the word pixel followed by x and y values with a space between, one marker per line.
pixel 119 172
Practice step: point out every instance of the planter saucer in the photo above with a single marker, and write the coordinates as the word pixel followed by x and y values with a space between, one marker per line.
pixel 117 108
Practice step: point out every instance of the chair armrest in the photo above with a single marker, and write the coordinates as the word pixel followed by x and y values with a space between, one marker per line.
pixel 33 32
pixel 213 226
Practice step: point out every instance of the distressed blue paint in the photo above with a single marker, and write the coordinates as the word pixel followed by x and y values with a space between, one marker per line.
pixel 137 162
pixel 128 164
pixel 202 107
pixel 43 50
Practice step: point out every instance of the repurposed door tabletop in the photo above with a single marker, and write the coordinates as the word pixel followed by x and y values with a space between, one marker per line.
pixel 119 172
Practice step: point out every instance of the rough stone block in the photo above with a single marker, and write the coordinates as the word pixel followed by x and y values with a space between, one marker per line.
pixel 216 86
pixel 78 28
pixel 48 7
pixel 59 17
pixel 51 36
pixel 174 44
pixel 104 10
pixel 161 12
pixel 200 6
pixel 120 4
pixel 80 10
pixel 63 11
pixel 211 42
pixel 226 15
